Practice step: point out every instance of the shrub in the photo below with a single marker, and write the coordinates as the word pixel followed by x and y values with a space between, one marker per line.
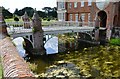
pixel 115 41
pixel 34 30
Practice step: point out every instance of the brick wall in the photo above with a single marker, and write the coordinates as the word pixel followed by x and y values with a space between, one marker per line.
pixel 14 66
pixel 111 10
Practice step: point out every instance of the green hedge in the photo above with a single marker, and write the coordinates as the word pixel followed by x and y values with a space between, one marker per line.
pixel 115 41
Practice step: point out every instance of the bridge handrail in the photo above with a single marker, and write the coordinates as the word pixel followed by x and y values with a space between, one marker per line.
pixel 57 23
pixel 72 23
pixel 65 24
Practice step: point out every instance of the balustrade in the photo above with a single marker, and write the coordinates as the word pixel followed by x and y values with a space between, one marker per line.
pixel 18 27
pixel 72 23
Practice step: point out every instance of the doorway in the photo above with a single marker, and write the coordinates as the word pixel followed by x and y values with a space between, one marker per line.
pixel 103 18
pixel 103 21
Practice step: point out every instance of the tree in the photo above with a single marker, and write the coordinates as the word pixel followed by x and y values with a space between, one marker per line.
pixel 47 10
pixel 6 13
pixel 16 12
pixel 29 10
pixel 41 14
pixel 50 12
pixel 54 12
pixel 21 12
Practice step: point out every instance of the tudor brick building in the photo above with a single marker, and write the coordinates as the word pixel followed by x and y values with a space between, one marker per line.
pixel 88 11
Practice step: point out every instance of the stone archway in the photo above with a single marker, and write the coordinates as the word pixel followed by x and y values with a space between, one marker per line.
pixel 103 21
pixel 103 18
pixel 28 47
pixel 85 36
pixel 24 46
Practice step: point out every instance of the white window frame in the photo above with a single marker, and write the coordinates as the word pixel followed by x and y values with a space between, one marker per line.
pixel 71 17
pixel 75 4
pixel 82 3
pixel 69 5
pixel 61 16
pixel 76 17
pixel 88 17
pixel 61 5
pixel 89 2
pixel 83 17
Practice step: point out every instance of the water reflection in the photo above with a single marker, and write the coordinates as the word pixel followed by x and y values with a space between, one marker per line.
pixel 51 46
pixel 19 45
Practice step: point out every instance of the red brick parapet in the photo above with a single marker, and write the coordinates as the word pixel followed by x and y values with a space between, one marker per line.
pixel 14 66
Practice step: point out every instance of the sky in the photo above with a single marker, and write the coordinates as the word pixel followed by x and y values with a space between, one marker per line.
pixel 38 4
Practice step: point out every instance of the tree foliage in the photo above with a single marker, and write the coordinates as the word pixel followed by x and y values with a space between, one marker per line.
pixel 50 12
pixel 21 12
pixel 41 14
pixel 16 12
pixel 6 13
pixel 47 12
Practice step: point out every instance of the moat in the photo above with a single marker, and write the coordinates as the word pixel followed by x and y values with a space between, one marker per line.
pixel 99 62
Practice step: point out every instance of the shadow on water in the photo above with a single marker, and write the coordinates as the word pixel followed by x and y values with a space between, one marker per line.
pixel 89 60
pixel 42 62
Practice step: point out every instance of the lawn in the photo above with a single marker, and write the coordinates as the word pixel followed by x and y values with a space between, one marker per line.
pixel 115 41
pixel 44 22
pixel 12 20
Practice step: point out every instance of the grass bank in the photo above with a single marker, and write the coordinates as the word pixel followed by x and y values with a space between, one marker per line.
pixel 44 22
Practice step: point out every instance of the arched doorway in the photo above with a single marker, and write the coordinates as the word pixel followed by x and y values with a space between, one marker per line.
pixel 103 18
pixel 103 21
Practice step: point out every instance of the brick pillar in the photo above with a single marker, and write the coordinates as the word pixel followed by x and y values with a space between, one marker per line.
pixel 26 20
pixel 37 35
pixel 3 26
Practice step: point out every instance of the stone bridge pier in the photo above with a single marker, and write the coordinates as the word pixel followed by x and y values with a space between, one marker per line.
pixel 38 35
